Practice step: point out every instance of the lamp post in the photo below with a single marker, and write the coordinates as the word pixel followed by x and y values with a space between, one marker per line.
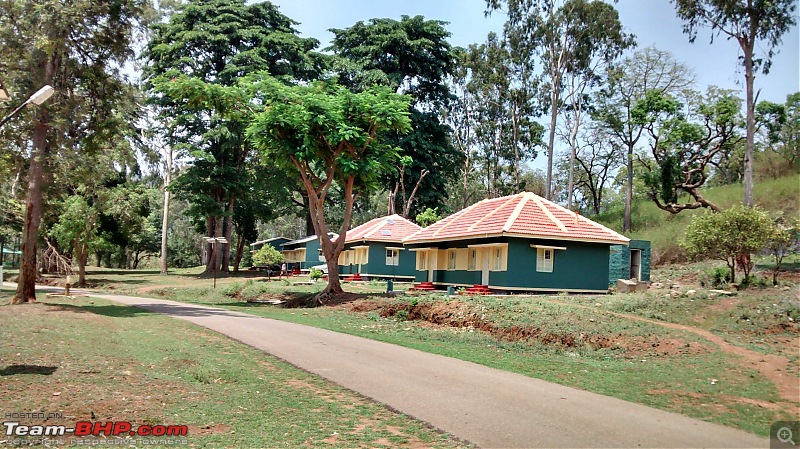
pixel 39 97
pixel 213 241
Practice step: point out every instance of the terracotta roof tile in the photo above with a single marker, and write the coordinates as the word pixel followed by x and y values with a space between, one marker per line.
pixel 393 228
pixel 524 214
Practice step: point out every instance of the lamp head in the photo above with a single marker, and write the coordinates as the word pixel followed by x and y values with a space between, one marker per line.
pixel 41 95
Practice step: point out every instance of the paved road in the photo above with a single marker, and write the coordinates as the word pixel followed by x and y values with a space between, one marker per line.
pixel 485 406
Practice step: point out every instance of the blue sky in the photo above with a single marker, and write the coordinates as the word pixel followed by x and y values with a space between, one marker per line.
pixel 652 21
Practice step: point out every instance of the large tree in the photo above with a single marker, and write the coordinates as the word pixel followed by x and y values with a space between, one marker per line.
pixel 325 134
pixel 78 48
pixel 411 56
pixel 627 83
pixel 781 124
pixel 754 25
pixel 215 43
pixel 566 36
pixel 684 144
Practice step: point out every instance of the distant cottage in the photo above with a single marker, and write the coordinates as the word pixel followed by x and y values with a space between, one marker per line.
pixel 304 253
pixel 520 242
pixel 374 250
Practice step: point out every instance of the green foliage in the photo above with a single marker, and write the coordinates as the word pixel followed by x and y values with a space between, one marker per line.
pixel 727 235
pixel 315 274
pixel 267 256
pixel 715 277
pixel 411 55
pixel 781 123
pixel 428 217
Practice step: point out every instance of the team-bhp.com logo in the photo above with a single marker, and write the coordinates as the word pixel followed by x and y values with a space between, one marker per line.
pixel 86 428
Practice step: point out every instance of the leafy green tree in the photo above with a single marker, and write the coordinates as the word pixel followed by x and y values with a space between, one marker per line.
pixel 781 123
pixel 428 217
pixel 205 45
pixel 412 56
pixel 565 36
pixel 77 48
pixel 323 134
pixel 683 145
pixel 76 229
pixel 267 256
pixel 627 83
pixel 727 235
pixel 753 24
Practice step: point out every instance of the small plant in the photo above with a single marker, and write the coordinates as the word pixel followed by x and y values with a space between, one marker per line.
pixel 715 277
pixel 315 274
pixel 401 315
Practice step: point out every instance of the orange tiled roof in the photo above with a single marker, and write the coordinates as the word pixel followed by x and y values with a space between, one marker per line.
pixel 522 215
pixel 393 228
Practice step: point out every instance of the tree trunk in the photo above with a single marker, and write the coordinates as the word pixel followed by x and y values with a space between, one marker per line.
pixel 626 225
pixel 239 253
pixel 751 126
pixel 26 283
pixel 551 143
pixel 210 223
pixel 226 247
pixel 82 254
pixel 165 219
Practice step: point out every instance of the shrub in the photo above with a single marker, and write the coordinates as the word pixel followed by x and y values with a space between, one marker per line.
pixel 727 235
pixel 715 277
pixel 315 274
pixel 254 290
pixel 267 256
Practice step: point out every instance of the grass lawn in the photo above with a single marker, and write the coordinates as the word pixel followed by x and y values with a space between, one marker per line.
pixel 91 359
pixel 615 345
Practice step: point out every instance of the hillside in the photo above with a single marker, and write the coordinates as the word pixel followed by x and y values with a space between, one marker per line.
pixel 665 230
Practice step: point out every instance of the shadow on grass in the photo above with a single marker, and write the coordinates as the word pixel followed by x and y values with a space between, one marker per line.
pixel 102 281
pixel 90 272
pixel 13 370
pixel 110 310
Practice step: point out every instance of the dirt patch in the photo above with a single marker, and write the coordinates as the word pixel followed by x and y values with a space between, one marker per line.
pixel 459 314
pixel 724 304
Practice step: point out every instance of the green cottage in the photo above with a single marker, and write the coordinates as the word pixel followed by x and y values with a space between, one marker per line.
pixel 303 253
pixel 520 242
pixel 374 250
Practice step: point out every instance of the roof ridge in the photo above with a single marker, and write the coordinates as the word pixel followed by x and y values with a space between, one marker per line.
pixel 447 220
pixel 372 229
pixel 591 222
pixel 494 211
pixel 549 214
pixel 517 210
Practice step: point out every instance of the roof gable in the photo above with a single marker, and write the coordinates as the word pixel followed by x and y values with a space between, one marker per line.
pixel 523 215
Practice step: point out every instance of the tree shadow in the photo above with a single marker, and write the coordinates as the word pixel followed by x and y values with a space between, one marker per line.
pixel 110 310
pixel 13 370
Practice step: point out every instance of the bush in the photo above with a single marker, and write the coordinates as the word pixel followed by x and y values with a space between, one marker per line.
pixel 315 274
pixel 715 277
pixel 254 290
pixel 267 256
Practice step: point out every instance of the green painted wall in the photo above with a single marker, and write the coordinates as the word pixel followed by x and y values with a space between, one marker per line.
pixel 582 266
pixel 619 261
pixel 377 261
pixel 312 254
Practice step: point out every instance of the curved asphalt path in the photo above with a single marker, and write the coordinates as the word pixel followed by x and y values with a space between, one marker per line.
pixel 485 406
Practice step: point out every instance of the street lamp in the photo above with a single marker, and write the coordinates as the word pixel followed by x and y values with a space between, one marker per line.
pixel 3 93
pixel 39 97
pixel 213 241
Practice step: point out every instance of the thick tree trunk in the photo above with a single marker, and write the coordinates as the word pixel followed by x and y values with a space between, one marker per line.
pixel 210 222
pixel 751 127
pixel 26 283
pixel 82 254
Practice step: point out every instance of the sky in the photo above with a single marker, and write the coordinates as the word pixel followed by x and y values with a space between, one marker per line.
pixel 652 21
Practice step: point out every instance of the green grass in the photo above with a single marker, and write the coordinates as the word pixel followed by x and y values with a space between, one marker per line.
pixel 664 229
pixel 122 363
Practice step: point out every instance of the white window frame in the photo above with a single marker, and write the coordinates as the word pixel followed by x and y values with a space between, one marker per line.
pixel 423 261
pixel 451 259
pixel 545 260
pixel 472 265
pixel 497 259
pixel 392 257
